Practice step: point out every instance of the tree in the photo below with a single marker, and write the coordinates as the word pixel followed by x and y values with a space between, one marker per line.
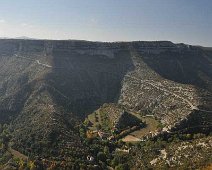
pixel 115 161
pixel 98 126
pixel 5 140
pixel 101 156
pixel 122 167
pixel 106 150
pixel 1 128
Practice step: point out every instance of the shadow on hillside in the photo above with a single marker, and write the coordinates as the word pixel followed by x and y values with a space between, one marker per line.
pixel 193 68
pixel 186 67
pixel 81 83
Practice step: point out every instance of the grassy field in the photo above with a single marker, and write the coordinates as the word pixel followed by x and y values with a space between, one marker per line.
pixel 99 118
pixel 151 125
pixel 95 119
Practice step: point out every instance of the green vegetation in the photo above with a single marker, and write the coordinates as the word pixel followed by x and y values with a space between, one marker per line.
pixel 45 108
pixel 112 118
pixel 151 125
pixel 178 151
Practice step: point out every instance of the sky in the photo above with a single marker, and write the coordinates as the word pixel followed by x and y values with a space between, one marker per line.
pixel 186 21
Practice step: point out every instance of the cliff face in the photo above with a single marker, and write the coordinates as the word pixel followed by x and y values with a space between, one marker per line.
pixel 54 84
pixel 171 85
pixel 80 74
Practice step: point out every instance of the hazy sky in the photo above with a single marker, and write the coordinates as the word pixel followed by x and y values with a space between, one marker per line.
pixel 188 21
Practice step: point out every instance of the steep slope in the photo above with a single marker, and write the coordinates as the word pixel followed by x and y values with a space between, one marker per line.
pixel 178 154
pixel 18 79
pixel 48 87
pixel 159 86
pixel 37 122
pixel 89 77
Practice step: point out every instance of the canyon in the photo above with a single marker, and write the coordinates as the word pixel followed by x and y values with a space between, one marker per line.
pixel 48 87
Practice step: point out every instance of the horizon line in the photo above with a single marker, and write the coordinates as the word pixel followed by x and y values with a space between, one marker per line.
pixel 125 41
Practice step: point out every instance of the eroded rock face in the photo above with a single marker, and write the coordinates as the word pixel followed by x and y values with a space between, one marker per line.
pixel 160 85
pixel 62 81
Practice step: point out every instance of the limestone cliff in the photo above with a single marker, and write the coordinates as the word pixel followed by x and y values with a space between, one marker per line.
pixel 53 85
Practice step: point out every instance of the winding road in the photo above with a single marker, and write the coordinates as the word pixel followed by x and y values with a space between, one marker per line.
pixel 45 65
pixel 150 82
pixel 37 61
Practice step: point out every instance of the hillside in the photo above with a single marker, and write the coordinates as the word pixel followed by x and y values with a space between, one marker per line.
pixel 175 154
pixel 48 88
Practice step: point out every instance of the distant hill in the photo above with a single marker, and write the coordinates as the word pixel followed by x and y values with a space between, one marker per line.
pixel 25 38
pixel 21 38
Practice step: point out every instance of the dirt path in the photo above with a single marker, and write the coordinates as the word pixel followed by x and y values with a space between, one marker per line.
pixel 45 65
pixel 37 61
pixel 130 138
pixel 174 94
pixel 17 154
pixel 150 82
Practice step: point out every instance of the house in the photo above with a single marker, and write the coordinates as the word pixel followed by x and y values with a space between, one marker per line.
pixel 103 135
pixel 90 158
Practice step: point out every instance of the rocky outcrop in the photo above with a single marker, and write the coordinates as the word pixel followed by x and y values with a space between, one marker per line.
pixel 69 79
